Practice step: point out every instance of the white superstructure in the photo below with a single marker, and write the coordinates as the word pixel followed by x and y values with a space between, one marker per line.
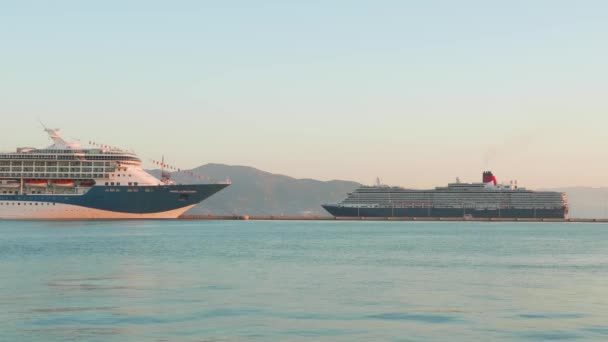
pixel 34 170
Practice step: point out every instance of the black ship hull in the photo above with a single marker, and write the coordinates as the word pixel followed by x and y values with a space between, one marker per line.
pixel 342 211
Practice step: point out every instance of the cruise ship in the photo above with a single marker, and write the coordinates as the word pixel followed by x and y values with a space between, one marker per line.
pixel 486 199
pixel 67 181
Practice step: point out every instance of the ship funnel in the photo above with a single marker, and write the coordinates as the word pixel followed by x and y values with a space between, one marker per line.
pixel 488 177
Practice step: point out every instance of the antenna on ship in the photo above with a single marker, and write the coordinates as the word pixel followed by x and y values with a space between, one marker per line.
pixel 42 124
pixel 165 177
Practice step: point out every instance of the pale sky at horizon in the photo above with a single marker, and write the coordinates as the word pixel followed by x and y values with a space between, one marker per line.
pixel 416 93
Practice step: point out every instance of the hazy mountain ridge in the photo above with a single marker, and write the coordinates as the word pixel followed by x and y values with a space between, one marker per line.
pixel 586 202
pixel 257 192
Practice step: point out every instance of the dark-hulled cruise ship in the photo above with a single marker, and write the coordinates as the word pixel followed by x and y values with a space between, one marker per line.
pixel 67 181
pixel 457 200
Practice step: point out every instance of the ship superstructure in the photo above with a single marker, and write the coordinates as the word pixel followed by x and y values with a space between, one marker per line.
pixel 66 180
pixel 484 200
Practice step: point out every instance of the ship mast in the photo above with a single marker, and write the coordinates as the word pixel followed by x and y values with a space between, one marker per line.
pixel 58 141
pixel 165 177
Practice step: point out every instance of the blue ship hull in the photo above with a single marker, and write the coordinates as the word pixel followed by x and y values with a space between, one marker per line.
pixel 118 201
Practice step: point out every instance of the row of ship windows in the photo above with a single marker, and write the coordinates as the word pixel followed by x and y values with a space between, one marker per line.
pixel 456 205
pixel 26 203
pixel 53 164
pixel 428 206
pixel 54 175
pixel 55 169
pixel 60 169
pixel 73 151
pixel 457 199
pixel 16 192
pixel 9 192
pixel 453 193
pixel 42 168
pixel 65 157
pixel 128 190
pixel 118 183
pixel 480 197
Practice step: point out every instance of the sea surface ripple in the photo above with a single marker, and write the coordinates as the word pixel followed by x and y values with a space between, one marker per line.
pixel 302 281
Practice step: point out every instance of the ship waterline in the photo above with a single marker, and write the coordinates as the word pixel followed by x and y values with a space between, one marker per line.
pixel 53 211
pixel 475 200
pixel 342 211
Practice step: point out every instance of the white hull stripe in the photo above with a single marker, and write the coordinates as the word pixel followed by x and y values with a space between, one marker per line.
pixel 48 211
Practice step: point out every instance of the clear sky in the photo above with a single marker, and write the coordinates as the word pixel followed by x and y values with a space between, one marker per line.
pixel 416 92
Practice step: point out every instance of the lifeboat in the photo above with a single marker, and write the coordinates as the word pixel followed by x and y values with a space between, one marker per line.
pixel 10 184
pixel 88 182
pixel 39 183
pixel 63 182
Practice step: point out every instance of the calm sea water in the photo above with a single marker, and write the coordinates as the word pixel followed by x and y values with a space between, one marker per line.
pixel 302 281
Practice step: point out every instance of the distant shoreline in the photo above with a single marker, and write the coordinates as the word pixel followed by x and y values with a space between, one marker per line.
pixel 418 219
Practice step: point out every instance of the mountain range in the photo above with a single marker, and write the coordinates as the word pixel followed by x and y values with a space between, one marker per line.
pixel 586 202
pixel 256 192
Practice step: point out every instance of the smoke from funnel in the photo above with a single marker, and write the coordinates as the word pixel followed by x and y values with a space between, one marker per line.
pixel 515 144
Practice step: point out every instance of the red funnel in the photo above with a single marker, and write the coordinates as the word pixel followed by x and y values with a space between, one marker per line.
pixel 488 177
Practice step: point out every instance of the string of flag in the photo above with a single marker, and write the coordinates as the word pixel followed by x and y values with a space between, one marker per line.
pixel 103 146
pixel 162 164
pixel 172 168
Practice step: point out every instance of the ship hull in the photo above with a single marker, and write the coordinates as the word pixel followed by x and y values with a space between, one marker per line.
pixel 108 202
pixel 344 211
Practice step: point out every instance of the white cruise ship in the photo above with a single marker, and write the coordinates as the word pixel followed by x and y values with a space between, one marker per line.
pixel 67 181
